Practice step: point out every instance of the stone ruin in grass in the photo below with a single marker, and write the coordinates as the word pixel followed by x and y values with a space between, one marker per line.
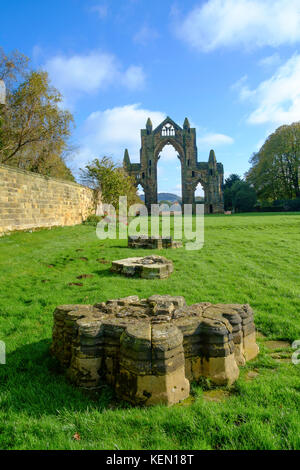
pixel 153 243
pixel 149 267
pixel 150 349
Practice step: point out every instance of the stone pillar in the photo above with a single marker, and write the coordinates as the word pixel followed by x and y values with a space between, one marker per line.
pixel 152 365
pixel 150 193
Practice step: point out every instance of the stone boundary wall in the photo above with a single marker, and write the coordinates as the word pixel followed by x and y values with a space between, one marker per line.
pixel 30 200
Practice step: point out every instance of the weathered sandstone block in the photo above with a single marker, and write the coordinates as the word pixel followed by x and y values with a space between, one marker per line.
pixel 29 201
pixel 150 349
pixel 153 243
pixel 149 267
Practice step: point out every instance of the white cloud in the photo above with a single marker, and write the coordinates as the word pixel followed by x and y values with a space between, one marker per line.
pixel 145 35
pixel 238 85
pixel 134 77
pixel 270 61
pixel 82 73
pixel 109 132
pixel 87 74
pixel 248 23
pixel 169 154
pixel 215 140
pixel 277 99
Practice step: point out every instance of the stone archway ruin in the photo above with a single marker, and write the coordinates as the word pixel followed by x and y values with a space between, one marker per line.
pixel 210 174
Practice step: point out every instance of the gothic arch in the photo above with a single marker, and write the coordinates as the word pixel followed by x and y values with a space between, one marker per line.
pixel 202 182
pixel 169 141
pixel 183 139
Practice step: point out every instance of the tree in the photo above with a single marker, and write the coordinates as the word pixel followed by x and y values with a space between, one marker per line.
pixel 275 167
pixel 111 180
pixel 35 130
pixel 13 67
pixel 243 197
pixel 228 193
pixel 238 194
pixel 233 178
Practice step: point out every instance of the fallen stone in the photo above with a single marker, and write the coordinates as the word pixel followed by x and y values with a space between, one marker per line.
pixel 153 243
pixel 149 267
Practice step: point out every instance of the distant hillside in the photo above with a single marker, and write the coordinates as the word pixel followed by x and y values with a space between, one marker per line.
pixel 164 197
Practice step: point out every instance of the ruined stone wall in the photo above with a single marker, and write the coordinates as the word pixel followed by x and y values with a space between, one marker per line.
pixel 29 200
pixel 150 349
pixel 209 174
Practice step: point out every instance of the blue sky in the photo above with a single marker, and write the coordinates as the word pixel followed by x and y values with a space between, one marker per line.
pixel 231 66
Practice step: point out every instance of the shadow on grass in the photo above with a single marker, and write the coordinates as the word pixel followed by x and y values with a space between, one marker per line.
pixel 120 246
pixel 34 383
pixel 105 273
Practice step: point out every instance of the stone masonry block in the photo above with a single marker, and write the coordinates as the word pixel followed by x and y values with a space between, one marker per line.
pixel 150 349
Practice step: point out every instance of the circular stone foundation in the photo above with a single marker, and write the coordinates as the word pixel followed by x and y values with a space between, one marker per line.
pixel 150 349
pixel 148 267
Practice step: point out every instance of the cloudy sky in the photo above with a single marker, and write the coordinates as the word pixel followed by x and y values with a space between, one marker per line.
pixel 231 66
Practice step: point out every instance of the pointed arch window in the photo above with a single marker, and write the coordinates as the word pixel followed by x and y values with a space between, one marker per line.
pixel 168 130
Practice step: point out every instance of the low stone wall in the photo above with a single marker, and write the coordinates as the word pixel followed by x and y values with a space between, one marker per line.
pixel 153 243
pixel 29 200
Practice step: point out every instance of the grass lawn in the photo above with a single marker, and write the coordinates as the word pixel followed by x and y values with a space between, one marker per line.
pixel 252 258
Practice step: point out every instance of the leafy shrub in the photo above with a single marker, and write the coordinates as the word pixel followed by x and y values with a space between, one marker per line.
pixel 92 220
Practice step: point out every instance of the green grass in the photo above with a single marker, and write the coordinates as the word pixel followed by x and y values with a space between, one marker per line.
pixel 252 258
